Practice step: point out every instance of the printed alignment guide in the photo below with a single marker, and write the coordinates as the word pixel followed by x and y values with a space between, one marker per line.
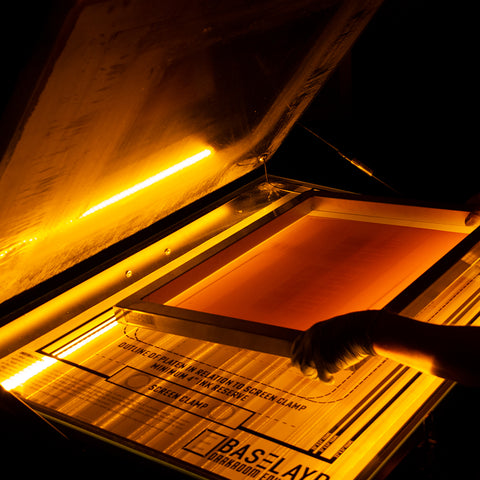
pixel 223 410
pixel 228 411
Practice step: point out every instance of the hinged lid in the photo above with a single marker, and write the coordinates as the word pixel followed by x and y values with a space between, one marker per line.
pixel 145 106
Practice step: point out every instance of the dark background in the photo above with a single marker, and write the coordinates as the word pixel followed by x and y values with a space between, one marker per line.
pixel 404 102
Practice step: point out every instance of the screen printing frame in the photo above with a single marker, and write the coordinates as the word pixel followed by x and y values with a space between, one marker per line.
pixel 180 252
pixel 254 335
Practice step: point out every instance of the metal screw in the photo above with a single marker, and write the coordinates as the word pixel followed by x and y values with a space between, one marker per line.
pixel 167 252
pixel 128 273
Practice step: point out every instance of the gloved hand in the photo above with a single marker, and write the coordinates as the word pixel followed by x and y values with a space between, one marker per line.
pixel 335 344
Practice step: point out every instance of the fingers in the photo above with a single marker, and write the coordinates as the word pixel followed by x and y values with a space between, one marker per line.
pixel 306 358
pixel 334 344
pixel 326 377
pixel 323 374
pixel 302 353
pixel 473 218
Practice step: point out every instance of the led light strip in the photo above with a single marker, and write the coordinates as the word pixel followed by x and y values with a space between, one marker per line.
pixel 47 361
pixel 149 181
pixel 9 250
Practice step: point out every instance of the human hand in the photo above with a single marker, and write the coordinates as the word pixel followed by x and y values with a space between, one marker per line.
pixel 473 218
pixel 334 344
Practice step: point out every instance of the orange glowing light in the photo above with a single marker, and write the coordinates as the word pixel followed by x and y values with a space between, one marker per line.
pixel 16 246
pixel 316 268
pixel 7 251
pixel 46 361
pixel 149 181
pixel 28 373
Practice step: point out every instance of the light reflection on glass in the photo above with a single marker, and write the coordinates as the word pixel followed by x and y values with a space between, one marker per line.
pixel 8 250
pixel 45 362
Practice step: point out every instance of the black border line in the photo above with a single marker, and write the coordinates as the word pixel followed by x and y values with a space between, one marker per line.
pixel 96 317
pixel 347 418
pixel 173 406
pixel 284 444
pixel 181 386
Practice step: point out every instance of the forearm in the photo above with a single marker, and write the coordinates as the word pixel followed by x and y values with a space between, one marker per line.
pixel 451 352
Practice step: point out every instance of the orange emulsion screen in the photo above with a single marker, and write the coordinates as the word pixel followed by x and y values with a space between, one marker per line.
pixel 314 269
